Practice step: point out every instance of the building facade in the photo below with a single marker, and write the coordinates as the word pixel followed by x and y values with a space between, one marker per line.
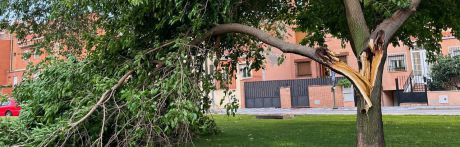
pixel 402 63
pixel 12 64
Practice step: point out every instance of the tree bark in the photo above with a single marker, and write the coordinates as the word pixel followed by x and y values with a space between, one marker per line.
pixel 357 26
pixel 369 126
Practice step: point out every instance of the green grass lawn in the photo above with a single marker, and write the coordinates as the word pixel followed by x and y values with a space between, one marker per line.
pixel 8 117
pixel 331 130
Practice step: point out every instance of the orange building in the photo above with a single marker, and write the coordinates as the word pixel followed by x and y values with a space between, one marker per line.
pixel 12 64
pixel 5 64
pixel 301 82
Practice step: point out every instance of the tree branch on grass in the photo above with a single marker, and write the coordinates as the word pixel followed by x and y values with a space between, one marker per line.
pixel 103 98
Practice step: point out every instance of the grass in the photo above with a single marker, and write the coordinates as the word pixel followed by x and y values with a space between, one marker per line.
pixel 8 117
pixel 331 130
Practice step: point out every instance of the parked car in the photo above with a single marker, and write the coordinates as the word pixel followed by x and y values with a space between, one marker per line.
pixel 9 108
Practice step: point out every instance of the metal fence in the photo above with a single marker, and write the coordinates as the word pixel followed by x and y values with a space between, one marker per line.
pixel 263 94
pixel 414 89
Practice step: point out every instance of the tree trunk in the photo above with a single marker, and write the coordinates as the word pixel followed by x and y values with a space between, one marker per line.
pixel 369 126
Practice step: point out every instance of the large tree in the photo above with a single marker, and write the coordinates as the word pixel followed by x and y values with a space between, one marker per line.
pixel 370 26
pixel 150 35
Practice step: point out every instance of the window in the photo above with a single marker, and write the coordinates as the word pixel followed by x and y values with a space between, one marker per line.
pixel 245 71
pixel 5 103
pixel 15 80
pixel 27 53
pixel 224 75
pixel 303 69
pixel 35 75
pixel 324 71
pixel 454 51
pixel 343 59
pixel 4 36
pixel 211 69
pixel 36 55
pixel 397 63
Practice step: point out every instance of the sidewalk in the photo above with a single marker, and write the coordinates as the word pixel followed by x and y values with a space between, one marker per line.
pixel 414 110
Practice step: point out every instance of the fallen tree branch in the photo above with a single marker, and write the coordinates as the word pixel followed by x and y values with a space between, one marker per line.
pixel 104 96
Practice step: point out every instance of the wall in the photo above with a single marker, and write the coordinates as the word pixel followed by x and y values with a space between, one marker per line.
pixel 217 96
pixel 4 61
pixel 348 92
pixel 285 97
pixel 6 91
pixel 448 42
pixel 388 79
pixel 387 98
pixel 453 98
pixel 321 96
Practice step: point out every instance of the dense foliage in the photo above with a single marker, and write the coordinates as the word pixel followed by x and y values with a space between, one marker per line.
pixel 164 100
pixel 445 73
pixel 142 111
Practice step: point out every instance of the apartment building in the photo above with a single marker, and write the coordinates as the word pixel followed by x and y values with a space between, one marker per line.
pixel 302 82
pixel 12 64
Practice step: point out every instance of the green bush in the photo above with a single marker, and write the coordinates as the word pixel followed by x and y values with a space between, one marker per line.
pixel 445 73
pixel 344 83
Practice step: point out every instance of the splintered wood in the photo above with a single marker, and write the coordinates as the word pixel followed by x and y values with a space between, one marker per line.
pixel 371 59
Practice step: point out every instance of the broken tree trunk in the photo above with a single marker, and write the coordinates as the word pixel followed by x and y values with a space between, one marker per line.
pixel 369 125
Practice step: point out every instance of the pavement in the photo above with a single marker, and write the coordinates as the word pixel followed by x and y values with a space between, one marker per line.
pixel 413 110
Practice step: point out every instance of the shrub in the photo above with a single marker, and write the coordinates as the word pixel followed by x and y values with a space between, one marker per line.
pixel 344 83
pixel 445 73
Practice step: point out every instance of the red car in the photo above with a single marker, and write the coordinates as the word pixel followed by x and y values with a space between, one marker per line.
pixel 9 108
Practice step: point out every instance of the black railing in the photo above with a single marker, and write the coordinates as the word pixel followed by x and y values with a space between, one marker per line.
pixel 408 83
pixel 411 83
pixel 414 89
